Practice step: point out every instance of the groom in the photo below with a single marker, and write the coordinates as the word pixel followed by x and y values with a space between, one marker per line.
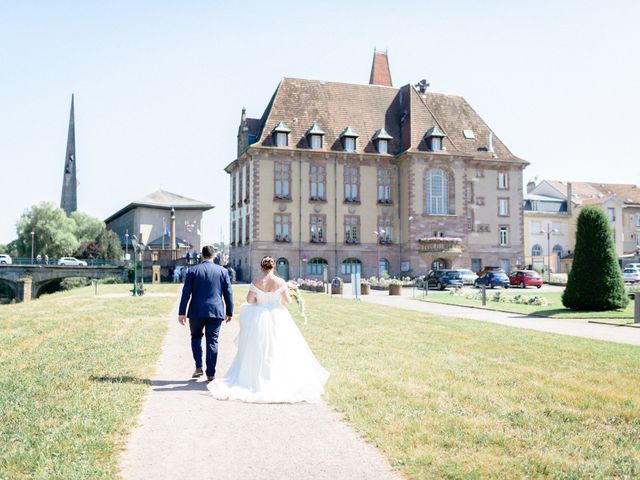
pixel 206 284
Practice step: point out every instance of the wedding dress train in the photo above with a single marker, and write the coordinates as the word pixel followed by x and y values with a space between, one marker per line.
pixel 273 364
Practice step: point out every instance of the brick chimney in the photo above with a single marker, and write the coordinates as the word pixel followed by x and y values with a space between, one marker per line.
pixel 380 73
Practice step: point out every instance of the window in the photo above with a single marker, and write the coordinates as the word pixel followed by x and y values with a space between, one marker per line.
pixel 557 250
pixel 349 144
pixel 385 178
pixel 351 265
pixel 233 232
pixel 470 220
pixel 317 182
pixel 247 236
pixel 282 224
pixel 385 230
pixel 505 265
pixel 503 207
pixel 437 192
pixel 282 177
pixel 318 225
pixel 468 192
pixel 351 183
pixel 315 266
pixel 536 251
pixel 480 201
pixel 503 180
pixel 383 267
pixel 611 212
pixel 316 141
pixel 479 173
pixel 234 189
pixel 436 144
pixel 247 183
pixel 282 139
pixel 476 264
pixel 504 236
pixel 352 229
pixel 383 146
pixel 434 138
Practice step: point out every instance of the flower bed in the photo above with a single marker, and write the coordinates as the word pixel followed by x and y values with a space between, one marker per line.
pixel 309 284
pixel 502 297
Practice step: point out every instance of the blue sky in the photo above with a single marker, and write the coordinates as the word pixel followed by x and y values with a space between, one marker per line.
pixel 160 85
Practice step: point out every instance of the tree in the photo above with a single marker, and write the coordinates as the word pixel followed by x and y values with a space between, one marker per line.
pixel 54 231
pixel 105 247
pixel 595 282
pixel 87 228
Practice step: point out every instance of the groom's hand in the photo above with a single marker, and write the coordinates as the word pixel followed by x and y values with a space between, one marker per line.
pixel 182 319
pixel 228 318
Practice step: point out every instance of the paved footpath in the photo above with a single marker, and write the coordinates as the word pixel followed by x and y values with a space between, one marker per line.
pixel 184 433
pixel 573 327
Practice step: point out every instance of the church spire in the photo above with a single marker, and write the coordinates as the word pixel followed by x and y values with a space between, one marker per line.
pixel 69 199
pixel 380 73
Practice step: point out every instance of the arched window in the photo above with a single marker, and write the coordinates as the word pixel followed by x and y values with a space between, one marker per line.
pixel 536 251
pixel 315 266
pixel 383 267
pixel 436 192
pixel 351 265
pixel 557 250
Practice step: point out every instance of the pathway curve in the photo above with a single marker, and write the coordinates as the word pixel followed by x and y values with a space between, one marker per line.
pixel 573 327
pixel 183 433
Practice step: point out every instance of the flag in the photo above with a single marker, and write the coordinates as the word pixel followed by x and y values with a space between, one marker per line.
pixel 167 232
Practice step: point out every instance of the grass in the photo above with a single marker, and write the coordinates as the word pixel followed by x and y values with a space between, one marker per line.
pixel 555 309
pixel 73 370
pixel 452 398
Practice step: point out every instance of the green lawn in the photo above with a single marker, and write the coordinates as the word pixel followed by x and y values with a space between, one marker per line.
pixel 555 309
pixel 72 375
pixel 451 398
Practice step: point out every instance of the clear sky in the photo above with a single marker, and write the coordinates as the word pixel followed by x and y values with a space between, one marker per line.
pixel 160 85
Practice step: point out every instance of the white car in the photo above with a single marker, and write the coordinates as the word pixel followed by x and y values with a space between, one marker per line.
pixel 631 275
pixel 5 259
pixel 71 261
pixel 468 277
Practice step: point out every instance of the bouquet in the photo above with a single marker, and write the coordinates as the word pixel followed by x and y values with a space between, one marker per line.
pixel 296 294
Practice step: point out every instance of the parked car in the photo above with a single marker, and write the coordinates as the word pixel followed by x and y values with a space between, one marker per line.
pixel 493 279
pixel 631 275
pixel 5 259
pixel 468 277
pixel 489 269
pixel 525 278
pixel 72 261
pixel 441 279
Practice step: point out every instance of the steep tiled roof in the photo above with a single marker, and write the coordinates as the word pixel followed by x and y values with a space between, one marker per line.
pixel 627 193
pixel 593 193
pixel 380 72
pixel 404 113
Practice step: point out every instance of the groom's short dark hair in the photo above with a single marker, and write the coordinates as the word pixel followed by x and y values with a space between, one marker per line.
pixel 208 251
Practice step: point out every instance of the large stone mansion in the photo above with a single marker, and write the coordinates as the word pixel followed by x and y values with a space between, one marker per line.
pixel 372 178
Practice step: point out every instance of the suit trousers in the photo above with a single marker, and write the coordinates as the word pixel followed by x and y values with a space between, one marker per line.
pixel 211 327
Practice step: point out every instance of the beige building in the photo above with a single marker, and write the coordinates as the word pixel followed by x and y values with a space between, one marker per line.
pixel 372 178
pixel 153 218
pixel 546 205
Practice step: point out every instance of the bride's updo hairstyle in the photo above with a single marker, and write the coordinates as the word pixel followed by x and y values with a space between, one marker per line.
pixel 267 264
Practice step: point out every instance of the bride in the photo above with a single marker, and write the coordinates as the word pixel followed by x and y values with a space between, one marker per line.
pixel 274 364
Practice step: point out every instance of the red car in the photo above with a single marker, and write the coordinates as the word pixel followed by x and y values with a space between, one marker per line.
pixel 525 278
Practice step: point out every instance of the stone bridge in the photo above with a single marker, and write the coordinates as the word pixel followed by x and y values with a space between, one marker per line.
pixel 27 281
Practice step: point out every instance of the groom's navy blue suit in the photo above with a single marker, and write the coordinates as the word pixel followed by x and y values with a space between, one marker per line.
pixel 206 284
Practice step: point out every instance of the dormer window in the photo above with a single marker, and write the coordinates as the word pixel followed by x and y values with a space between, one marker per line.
pixel 381 140
pixel 349 137
pixel 314 136
pixel 281 135
pixel 434 137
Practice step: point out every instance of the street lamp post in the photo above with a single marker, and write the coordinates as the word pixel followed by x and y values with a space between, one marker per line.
pixel 134 242
pixel 33 234
pixel 549 231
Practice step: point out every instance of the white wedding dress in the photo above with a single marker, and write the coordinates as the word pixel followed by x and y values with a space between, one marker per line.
pixel 273 364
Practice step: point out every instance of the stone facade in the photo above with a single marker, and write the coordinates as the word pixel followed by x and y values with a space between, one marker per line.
pixel 393 203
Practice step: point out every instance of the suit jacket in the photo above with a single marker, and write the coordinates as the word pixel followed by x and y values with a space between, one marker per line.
pixel 206 284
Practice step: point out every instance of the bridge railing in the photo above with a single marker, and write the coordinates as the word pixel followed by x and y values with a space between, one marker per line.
pixel 54 262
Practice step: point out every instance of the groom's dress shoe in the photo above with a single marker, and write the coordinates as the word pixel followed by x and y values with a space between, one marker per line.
pixel 210 379
pixel 197 373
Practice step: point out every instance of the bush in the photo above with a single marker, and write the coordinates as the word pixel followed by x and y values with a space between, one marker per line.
pixel 595 282
pixel 74 282
pixel 109 281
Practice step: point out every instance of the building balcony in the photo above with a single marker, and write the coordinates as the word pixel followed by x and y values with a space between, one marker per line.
pixel 440 245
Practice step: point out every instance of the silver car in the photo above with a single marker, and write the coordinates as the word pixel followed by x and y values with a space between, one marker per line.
pixel 468 277
pixel 5 259
pixel 631 275
pixel 72 261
